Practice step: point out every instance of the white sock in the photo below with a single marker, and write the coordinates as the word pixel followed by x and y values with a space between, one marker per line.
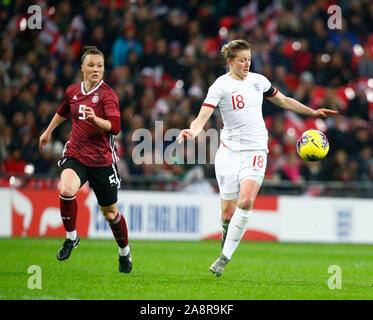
pixel 124 251
pixel 71 235
pixel 236 230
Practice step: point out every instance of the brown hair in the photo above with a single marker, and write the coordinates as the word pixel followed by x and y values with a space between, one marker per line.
pixel 90 50
pixel 230 49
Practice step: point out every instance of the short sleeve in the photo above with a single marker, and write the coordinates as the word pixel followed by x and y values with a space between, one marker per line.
pixel 64 110
pixel 268 90
pixel 266 84
pixel 111 105
pixel 213 97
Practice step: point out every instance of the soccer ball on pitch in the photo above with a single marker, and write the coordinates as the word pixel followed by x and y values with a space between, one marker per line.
pixel 312 145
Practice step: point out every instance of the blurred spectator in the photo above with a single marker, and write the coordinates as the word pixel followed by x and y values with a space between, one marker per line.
pixel 44 163
pixel 318 37
pixel 302 58
pixel 124 44
pixel 330 100
pixel 338 134
pixel 365 161
pixel 311 171
pixel 14 164
pixel 3 143
pixel 358 107
pixel 174 27
pixel 361 138
pixel 320 65
pixel 173 66
pixel 27 145
pixel 277 129
pixel 276 160
pixel 337 72
pixel 303 91
pixel 369 176
pixel 7 104
pixel 366 65
pixel 195 182
pixel 158 57
pixel 338 168
pixel 279 79
pixel 290 169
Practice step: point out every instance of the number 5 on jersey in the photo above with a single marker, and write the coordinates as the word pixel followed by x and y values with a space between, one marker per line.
pixel 81 111
pixel 238 102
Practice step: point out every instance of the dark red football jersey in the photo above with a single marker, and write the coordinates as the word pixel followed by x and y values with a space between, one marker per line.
pixel 88 143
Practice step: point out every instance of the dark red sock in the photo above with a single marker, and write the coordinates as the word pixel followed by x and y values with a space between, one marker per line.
pixel 69 209
pixel 119 228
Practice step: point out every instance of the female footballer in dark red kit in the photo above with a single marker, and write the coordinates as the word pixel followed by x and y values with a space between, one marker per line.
pixel 89 155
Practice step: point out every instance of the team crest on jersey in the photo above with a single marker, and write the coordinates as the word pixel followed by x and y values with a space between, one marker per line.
pixel 95 99
pixel 256 86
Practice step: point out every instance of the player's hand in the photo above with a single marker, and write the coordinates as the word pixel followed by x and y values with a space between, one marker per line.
pixel 324 113
pixel 185 134
pixel 90 114
pixel 44 139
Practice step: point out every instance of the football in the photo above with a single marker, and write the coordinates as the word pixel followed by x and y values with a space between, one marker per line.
pixel 312 145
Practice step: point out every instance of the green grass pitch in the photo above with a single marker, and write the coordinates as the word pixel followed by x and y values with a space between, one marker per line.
pixel 179 270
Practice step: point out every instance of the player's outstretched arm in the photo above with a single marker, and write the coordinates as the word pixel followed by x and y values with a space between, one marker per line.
pixel 197 125
pixel 46 136
pixel 294 105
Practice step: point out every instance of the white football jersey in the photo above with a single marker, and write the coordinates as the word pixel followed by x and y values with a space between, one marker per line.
pixel 240 104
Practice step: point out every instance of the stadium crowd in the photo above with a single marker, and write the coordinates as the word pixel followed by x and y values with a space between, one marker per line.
pixel 161 57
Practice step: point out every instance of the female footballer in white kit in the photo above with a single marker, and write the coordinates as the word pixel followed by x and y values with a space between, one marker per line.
pixel 241 159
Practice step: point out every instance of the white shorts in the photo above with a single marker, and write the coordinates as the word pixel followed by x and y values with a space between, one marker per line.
pixel 232 167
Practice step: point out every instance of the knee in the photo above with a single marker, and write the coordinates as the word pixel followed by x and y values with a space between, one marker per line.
pixel 67 191
pixel 245 203
pixel 110 216
pixel 110 212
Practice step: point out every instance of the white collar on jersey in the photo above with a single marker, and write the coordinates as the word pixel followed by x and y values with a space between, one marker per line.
pixel 93 90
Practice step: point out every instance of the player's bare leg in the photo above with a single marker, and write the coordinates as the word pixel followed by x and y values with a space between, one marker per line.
pixel 119 228
pixel 70 184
